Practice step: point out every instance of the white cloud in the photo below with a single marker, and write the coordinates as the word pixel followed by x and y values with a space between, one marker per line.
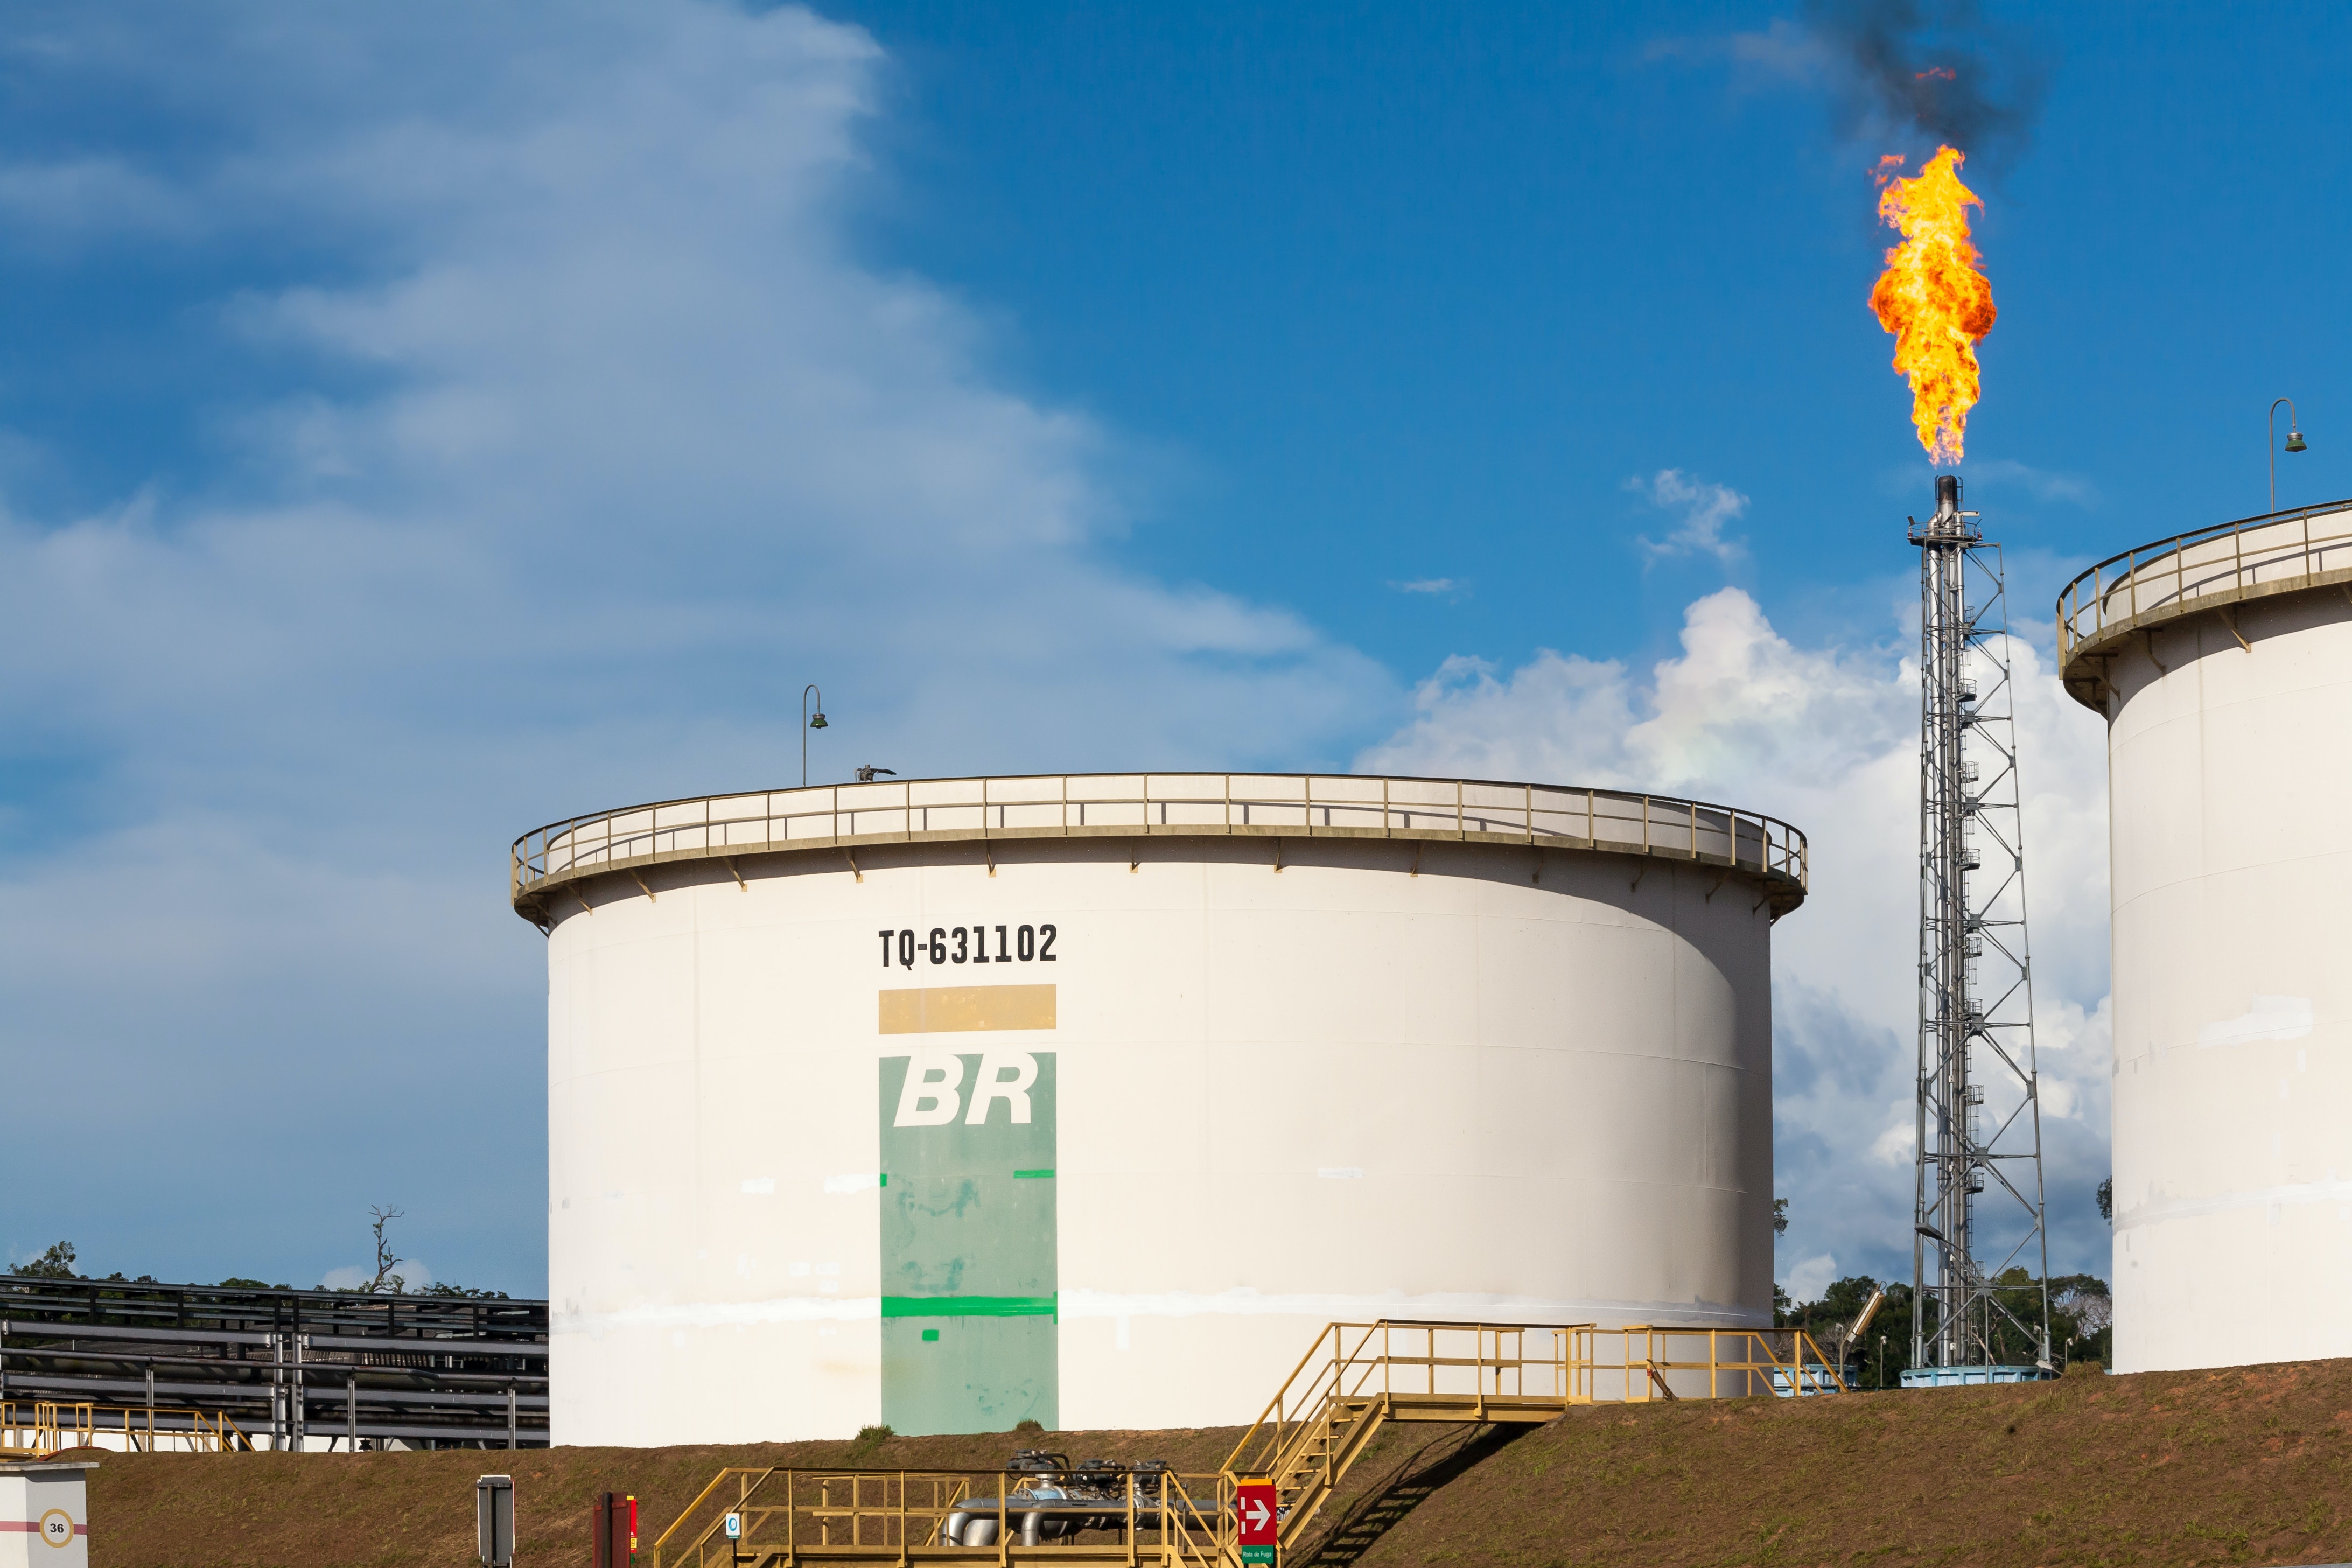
pixel 1810 1279
pixel 1784 50
pixel 73 201
pixel 1827 738
pixel 414 1274
pixel 2041 484
pixel 591 439
pixel 1448 587
pixel 1704 508
pixel 1900 1144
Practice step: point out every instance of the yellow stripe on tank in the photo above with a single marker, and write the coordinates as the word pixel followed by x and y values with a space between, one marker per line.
pixel 962 1009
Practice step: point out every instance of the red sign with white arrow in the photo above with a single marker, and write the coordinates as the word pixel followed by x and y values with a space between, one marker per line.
pixel 1255 1508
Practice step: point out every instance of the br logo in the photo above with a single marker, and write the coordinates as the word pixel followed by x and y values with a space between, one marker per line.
pixel 57 1527
pixel 934 1091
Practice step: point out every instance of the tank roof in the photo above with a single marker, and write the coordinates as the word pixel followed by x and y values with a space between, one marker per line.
pixel 2202 572
pixel 1762 849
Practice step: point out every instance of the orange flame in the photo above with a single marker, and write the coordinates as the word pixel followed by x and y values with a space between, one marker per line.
pixel 1933 298
pixel 1934 73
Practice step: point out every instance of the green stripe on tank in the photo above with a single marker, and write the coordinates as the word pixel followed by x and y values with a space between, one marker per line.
pixel 1033 1175
pixel 969 1306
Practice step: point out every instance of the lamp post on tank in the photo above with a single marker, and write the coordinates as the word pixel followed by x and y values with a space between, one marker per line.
pixel 809 721
pixel 2295 441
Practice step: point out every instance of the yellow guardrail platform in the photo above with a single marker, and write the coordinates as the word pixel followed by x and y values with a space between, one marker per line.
pixel 40 1428
pixel 1354 1380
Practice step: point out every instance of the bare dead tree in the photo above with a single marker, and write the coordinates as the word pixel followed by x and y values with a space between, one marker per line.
pixel 385 1281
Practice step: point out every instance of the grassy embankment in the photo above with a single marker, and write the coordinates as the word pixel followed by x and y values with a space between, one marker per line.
pixel 2174 1468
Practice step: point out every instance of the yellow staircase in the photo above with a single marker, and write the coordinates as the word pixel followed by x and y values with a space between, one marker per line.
pixel 1357 1378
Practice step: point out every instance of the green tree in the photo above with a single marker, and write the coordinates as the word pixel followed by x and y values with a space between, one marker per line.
pixel 56 1262
pixel 2082 1318
pixel 1869 1363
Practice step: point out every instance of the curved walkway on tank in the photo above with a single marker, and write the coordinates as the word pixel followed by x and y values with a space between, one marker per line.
pixel 2208 571
pixel 1763 851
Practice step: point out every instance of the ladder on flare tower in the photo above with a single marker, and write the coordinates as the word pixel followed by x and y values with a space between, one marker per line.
pixel 1978 1212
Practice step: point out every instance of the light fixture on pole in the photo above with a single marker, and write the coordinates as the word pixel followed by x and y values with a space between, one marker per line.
pixel 2295 441
pixel 809 721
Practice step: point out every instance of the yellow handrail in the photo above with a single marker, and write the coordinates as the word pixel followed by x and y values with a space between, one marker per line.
pixel 1359 1376
pixel 1780 1362
pixel 835 1515
pixel 50 1426
pixel 1355 1378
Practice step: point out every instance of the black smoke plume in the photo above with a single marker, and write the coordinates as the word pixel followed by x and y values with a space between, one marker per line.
pixel 1925 75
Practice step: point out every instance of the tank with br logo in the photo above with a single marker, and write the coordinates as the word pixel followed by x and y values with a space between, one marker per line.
pixel 1089 1100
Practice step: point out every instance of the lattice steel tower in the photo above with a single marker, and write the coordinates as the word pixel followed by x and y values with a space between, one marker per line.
pixel 1979 1129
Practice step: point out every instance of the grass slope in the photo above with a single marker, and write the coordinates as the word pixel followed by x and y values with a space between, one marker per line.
pixel 2247 1466
pixel 2244 1466
pixel 396 1511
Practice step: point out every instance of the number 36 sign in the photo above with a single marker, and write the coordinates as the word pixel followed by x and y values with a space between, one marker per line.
pixel 47 1507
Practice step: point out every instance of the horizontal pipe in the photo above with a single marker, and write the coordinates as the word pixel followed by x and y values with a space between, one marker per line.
pixel 13 1326
pixel 405 1346
pixel 226 1387
pixel 239 1395
pixel 102 1353
pixel 128 1297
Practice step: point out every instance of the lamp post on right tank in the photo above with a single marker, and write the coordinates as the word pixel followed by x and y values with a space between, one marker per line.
pixel 2295 441
pixel 809 721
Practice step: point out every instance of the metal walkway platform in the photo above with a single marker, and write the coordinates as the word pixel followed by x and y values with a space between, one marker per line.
pixel 1357 1378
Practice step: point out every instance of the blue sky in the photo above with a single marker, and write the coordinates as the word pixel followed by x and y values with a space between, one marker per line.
pixel 1433 281
pixel 417 425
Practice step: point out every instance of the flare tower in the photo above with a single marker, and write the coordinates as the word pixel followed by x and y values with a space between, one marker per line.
pixel 1979 1217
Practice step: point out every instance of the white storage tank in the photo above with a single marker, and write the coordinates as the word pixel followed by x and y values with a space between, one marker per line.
pixel 2222 662
pixel 1090 1099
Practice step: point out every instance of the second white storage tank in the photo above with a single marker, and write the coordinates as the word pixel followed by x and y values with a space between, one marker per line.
pixel 2221 661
